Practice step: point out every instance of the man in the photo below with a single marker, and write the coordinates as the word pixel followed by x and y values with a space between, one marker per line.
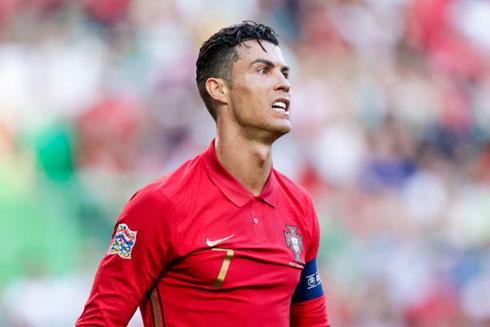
pixel 225 240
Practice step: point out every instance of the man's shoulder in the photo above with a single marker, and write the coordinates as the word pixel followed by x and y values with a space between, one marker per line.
pixel 291 188
pixel 299 200
pixel 165 197
pixel 173 183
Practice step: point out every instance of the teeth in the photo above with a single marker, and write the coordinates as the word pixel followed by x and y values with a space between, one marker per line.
pixel 279 106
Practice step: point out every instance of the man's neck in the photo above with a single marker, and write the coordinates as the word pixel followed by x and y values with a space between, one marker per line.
pixel 249 161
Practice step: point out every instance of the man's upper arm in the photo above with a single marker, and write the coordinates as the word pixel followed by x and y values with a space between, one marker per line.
pixel 137 256
pixel 308 306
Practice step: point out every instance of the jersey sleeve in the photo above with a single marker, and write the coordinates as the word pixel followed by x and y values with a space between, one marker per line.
pixel 137 256
pixel 308 307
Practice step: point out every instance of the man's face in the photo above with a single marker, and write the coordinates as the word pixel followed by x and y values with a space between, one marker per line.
pixel 259 98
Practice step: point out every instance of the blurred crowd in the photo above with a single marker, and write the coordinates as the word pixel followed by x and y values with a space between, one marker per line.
pixel 391 135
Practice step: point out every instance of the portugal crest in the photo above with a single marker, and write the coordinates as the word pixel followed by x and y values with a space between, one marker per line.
pixel 294 241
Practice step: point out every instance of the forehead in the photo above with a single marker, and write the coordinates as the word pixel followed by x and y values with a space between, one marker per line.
pixel 250 50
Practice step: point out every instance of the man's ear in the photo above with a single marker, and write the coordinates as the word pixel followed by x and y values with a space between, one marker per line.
pixel 217 89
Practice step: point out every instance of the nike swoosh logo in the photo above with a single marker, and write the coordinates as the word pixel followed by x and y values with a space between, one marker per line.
pixel 213 243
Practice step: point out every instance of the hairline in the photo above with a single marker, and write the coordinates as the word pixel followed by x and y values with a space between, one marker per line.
pixel 237 56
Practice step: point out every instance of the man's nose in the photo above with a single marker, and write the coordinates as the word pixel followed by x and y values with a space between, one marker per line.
pixel 283 83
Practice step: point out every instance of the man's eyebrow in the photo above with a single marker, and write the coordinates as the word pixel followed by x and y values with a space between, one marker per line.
pixel 269 63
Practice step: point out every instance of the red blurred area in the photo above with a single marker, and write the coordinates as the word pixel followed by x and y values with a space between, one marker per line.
pixel 107 11
pixel 109 133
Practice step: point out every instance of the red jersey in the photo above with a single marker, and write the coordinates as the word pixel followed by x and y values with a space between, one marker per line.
pixel 196 248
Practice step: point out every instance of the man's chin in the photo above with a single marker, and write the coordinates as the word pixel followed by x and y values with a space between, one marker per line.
pixel 285 128
pixel 270 132
pixel 281 130
pixel 284 131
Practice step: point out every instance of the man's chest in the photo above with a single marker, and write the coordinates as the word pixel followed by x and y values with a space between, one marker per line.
pixel 226 247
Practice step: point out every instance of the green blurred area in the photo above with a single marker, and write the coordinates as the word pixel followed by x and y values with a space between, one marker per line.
pixel 44 209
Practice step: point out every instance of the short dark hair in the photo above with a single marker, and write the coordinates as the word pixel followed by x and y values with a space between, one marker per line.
pixel 218 53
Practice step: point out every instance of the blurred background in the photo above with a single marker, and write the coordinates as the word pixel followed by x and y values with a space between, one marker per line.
pixel 391 135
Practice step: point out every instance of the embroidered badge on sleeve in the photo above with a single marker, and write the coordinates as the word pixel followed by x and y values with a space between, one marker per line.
pixel 123 242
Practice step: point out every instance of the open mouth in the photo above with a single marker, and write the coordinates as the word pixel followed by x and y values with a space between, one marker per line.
pixel 281 106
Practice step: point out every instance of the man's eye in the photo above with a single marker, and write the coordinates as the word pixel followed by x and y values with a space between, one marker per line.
pixel 262 70
pixel 286 75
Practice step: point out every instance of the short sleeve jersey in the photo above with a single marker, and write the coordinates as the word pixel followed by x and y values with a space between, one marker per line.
pixel 196 248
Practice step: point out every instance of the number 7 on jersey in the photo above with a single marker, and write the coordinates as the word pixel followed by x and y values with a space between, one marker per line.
pixel 224 267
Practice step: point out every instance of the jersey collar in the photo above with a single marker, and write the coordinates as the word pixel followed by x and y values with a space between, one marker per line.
pixel 232 189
